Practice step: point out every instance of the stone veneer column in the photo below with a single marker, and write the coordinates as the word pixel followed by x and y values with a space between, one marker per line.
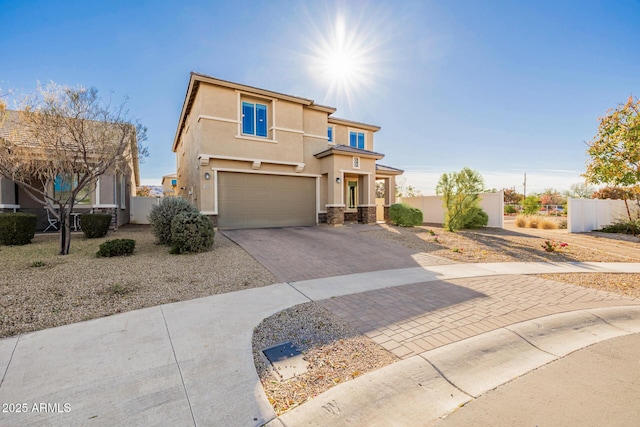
pixel 367 214
pixel 335 215
pixel 387 218
pixel 213 219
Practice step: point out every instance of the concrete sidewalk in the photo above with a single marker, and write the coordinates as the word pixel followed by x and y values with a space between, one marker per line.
pixel 190 363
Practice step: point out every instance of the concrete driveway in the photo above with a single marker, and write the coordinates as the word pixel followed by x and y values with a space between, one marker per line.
pixel 303 253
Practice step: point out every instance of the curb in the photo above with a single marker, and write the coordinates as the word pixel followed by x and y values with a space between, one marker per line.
pixel 427 387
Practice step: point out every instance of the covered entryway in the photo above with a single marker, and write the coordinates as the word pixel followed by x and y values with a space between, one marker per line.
pixel 252 200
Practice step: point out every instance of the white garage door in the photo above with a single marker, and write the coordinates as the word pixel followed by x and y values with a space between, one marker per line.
pixel 247 200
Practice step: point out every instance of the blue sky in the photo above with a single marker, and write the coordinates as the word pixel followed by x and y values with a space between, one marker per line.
pixel 503 87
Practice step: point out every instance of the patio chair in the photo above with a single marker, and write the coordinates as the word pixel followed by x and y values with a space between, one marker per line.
pixel 53 222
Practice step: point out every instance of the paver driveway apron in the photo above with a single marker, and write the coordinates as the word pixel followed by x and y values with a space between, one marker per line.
pixel 302 253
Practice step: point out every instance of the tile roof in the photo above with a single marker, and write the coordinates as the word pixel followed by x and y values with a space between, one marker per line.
pixel 348 149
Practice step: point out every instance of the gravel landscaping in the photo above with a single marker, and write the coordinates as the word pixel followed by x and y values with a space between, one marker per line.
pixel 335 352
pixel 40 289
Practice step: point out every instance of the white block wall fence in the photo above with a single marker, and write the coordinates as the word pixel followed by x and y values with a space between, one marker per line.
pixel 433 212
pixel 592 214
pixel 140 208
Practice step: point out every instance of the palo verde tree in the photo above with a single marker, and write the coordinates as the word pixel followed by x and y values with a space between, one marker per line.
pixel 460 193
pixel 615 151
pixel 66 138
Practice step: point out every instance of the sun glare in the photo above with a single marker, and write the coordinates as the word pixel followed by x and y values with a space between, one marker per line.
pixel 343 58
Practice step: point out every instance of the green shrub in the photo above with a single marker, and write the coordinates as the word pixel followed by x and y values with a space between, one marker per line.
pixel 623 227
pixel 531 205
pixel 509 209
pixel 116 247
pixel 17 228
pixel 475 217
pixel 95 225
pixel 191 232
pixel 405 215
pixel 161 217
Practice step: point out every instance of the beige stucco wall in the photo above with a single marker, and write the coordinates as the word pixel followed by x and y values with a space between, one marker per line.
pixel 296 133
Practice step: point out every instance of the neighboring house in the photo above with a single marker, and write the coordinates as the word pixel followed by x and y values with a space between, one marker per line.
pixel 111 193
pixel 170 185
pixel 250 157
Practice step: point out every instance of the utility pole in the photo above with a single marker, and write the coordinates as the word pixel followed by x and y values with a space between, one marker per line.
pixel 525 185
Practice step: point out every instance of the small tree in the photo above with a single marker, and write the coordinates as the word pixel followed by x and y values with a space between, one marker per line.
pixel 403 190
pixel 531 205
pixel 580 191
pixel 511 197
pixel 144 191
pixel 460 193
pixel 615 150
pixel 551 196
pixel 66 137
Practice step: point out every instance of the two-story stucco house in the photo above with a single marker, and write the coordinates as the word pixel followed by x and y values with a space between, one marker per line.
pixel 250 157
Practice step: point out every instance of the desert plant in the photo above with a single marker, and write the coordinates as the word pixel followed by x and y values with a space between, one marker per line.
pixel 509 209
pixel 118 289
pixel 162 215
pixel 475 217
pixel 623 227
pixel 95 225
pixel 533 221
pixel 405 215
pixel 191 232
pixel 531 205
pixel 553 246
pixel 460 193
pixel 521 221
pixel 17 228
pixel 547 224
pixel 116 247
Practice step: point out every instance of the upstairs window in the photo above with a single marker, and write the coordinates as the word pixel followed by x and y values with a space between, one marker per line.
pixel 330 133
pixel 356 139
pixel 254 119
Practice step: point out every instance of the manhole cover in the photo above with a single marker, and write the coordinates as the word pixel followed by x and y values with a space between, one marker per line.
pixel 286 360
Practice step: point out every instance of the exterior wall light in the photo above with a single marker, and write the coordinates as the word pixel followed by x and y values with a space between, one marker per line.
pixel 338 180
pixel 207 175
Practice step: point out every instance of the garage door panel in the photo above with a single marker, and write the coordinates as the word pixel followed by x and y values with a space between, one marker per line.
pixel 256 200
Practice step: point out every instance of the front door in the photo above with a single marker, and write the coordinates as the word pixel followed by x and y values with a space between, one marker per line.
pixel 352 195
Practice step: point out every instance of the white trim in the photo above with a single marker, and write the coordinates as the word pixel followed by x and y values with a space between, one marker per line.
pixel 104 206
pixel 287 130
pixel 255 138
pixel 97 192
pixel 208 157
pixel 335 205
pixel 367 206
pixel 317 198
pixel 326 138
pixel 307 175
pixel 216 182
pixel 322 212
pixel 342 184
pixel 273 114
pixel 14 207
pixel 217 119
pixel 356 130
pixel 215 192
pixel 355 172
pixel 253 95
